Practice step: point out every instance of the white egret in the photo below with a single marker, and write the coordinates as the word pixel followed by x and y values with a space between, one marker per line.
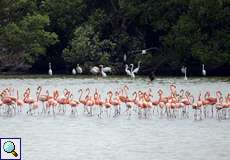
pixel 74 71
pixel 132 72
pixel 182 69
pixel 138 67
pixel 143 51
pixel 95 70
pixel 50 70
pixel 106 69
pixel 103 74
pixel 203 70
pixel 79 69
pixel 185 73
pixel 128 72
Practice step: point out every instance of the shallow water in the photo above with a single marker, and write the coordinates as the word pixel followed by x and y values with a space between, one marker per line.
pixel 65 137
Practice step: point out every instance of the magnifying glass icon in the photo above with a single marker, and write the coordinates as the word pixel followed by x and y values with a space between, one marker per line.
pixel 9 147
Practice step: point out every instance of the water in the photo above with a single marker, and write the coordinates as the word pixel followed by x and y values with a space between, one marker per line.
pixel 66 137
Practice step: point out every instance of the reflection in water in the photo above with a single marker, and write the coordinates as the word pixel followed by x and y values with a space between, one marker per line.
pixel 82 137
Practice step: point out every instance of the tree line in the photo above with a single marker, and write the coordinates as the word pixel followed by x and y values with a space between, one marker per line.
pixel 92 32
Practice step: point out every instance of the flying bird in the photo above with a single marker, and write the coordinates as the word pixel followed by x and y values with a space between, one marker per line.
pixel 144 51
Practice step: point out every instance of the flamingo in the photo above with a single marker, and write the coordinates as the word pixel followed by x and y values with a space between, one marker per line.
pixel 28 100
pixel 7 101
pixel 81 100
pixel 63 101
pixel 175 105
pixel 90 103
pixel 147 104
pixel 115 102
pixel 43 98
pixel 108 106
pixel 79 69
pixel 52 102
pixel 87 97
pixel 98 102
pixel 73 103
pixel 20 103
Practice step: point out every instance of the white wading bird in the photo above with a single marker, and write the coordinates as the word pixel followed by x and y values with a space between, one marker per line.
pixel 79 69
pixel 132 72
pixel 95 70
pixel 50 72
pixel 185 73
pixel 74 71
pixel 104 70
pixel 203 70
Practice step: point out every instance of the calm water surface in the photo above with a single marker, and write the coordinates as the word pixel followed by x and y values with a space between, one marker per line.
pixel 66 137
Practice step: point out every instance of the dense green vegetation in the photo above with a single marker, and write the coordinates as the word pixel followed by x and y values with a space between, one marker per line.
pixel 92 32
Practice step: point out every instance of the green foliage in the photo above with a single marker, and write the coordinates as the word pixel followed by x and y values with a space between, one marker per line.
pixel 86 46
pixel 27 38
pixel 95 32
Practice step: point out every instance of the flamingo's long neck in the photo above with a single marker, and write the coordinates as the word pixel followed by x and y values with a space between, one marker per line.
pixel 56 95
pixel 121 92
pixel 125 90
pixel 102 69
pixel 160 96
pixel 135 96
pixel 138 65
pixel 206 95
pixel 39 92
pixel 193 99
pixel 96 95
pixel 185 73
pixel 17 95
pixel 140 95
pixel 87 95
pixel 131 68
pixel 110 96
pixel 126 67
pixel 80 95
pixel 199 97
pixel 218 94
